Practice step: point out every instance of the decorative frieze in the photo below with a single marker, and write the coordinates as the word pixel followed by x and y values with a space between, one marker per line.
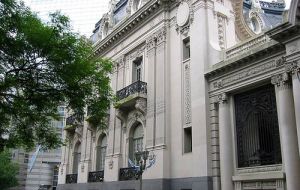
pixel 259 169
pixel 245 47
pixel 246 74
pixel 187 94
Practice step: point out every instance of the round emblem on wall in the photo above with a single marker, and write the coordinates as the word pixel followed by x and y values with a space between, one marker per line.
pixel 183 14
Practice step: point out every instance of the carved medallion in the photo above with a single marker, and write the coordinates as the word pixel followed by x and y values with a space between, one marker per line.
pixel 183 14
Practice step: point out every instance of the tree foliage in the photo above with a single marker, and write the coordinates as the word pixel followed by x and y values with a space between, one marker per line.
pixel 43 65
pixel 8 171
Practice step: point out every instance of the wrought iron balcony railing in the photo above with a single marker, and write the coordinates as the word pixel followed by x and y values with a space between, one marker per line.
pixel 71 178
pixel 74 120
pixel 96 176
pixel 128 174
pixel 137 87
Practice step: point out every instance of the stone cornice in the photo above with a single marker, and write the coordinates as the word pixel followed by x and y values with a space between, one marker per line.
pixel 284 32
pixel 149 9
pixel 244 53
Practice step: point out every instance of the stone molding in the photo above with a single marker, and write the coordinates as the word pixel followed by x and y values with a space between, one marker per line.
pixel 259 169
pixel 248 45
pixel 126 26
pixel 141 105
pixel 247 73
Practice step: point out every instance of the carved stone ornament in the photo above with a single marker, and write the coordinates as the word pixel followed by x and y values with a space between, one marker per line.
pixel 141 105
pixel 82 168
pixel 120 115
pixel 111 164
pixel 79 131
pixel 292 67
pixel 184 16
pixel 280 79
pixel 222 98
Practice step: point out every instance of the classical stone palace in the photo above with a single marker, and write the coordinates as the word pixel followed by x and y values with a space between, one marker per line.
pixel 211 88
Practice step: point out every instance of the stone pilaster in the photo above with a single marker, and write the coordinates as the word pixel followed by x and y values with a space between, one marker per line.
pixel 293 68
pixel 85 165
pixel 226 143
pixel 151 98
pixel 288 131
pixel 64 161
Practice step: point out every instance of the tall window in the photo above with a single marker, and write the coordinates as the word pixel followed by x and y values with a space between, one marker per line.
pixel 137 69
pixel 257 130
pixel 101 152
pixel 55 177
pixel 76 157
pixel 186 50
pixel 136 142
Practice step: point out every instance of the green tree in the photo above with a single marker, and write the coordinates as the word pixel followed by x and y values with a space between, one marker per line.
pixel 8 171
pixel 43 65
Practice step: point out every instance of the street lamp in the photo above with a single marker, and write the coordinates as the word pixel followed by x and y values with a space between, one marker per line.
pixel 141 158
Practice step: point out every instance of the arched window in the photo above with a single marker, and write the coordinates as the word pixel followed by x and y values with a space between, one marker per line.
pixel 76 157
pixel 136 5
pixel 101 152
pixel 136 141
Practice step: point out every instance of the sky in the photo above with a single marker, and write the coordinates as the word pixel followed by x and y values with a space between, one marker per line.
pixel 83 13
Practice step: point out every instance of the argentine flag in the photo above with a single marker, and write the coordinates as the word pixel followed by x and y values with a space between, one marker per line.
pixel 33 158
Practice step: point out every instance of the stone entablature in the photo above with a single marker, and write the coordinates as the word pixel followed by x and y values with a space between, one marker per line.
pixel 144 13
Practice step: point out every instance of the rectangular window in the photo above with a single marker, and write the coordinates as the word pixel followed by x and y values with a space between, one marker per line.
pixel 187 139
pixel 137 69
pixel 186 51
pixel 26 158
pixel 257 129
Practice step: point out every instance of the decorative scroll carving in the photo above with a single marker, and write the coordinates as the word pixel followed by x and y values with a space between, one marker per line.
pixel 187 94
pixel 141 105
pixel 221 30
pixel 120 115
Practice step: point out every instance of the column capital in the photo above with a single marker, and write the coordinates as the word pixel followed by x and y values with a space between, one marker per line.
pixel 292 67
pixel 282 81
pixel 222 98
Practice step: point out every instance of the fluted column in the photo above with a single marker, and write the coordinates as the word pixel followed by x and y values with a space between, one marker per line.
pixel 288 131
pixel 226 143
pixel 294 68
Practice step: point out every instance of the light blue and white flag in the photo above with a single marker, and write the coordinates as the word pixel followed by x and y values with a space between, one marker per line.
pixel 132 165
pixel 33 158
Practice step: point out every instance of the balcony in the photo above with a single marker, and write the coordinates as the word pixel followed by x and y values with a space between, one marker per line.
pixel 128 174
pixel 97 176
pixel 128 96
pixel 71 178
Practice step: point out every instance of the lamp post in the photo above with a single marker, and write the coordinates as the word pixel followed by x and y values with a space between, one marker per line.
pixel 141 158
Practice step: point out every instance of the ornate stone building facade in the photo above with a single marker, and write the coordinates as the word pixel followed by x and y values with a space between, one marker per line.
pixel 212 94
